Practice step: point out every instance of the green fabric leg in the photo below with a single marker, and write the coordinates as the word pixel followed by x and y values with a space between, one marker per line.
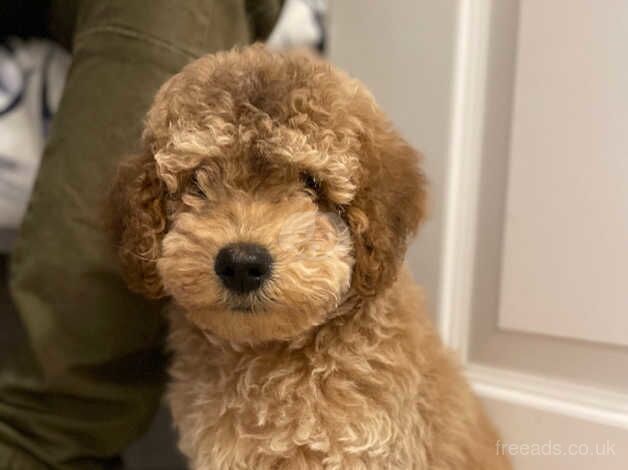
pixel 91 378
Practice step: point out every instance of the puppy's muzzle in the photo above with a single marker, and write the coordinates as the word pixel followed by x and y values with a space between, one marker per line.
pixel 243 267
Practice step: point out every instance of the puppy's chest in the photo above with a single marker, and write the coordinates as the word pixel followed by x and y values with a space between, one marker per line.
pixel 278 403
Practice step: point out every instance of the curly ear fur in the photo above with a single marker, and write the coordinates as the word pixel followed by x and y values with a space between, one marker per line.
pixel 138 222
pixel 386 210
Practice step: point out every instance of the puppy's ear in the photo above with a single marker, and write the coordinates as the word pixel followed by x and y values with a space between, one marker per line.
pixel 386 210
pixel 138 222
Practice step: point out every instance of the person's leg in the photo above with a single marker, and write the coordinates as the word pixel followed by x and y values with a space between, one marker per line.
pixel 91 378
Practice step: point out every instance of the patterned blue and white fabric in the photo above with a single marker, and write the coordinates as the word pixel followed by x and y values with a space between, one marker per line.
pixel 301 24
pixel 32 74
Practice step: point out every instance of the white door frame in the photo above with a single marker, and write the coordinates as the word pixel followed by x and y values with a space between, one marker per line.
pixel 458 253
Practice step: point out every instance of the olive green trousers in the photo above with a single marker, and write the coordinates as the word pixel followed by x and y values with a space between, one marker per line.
pixel 90 378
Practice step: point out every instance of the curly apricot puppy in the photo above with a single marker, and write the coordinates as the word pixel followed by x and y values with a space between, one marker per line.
pixel 273 203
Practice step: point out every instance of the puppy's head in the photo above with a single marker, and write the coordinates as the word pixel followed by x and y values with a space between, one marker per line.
pixel 270 187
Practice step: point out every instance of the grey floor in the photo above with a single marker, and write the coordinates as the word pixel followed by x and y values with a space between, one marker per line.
pixel 155 451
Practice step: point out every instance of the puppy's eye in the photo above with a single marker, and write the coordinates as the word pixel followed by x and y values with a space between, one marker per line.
pixel 310 182
pixel 195 188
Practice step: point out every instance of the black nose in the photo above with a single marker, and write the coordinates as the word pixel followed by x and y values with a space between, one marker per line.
pixel 243 267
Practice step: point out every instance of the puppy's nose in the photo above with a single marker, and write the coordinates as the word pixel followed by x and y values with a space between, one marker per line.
pixel 243 267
